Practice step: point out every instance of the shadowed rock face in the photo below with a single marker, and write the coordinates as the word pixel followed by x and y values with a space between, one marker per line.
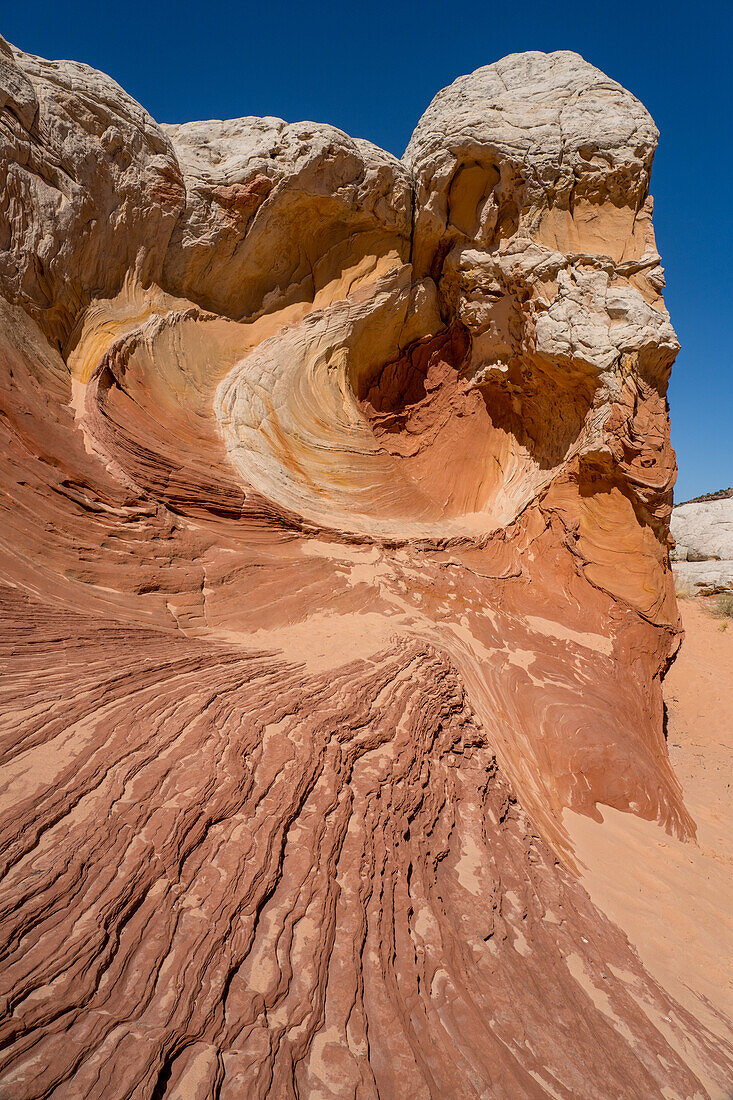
pixel 334 567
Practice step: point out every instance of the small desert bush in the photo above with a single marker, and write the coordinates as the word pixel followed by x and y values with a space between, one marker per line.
pixel 722 606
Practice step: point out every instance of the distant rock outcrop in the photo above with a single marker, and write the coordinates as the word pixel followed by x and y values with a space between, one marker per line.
pixel 703 533
pixel 334 569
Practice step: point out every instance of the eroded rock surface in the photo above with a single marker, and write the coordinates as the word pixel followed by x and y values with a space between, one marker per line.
pixel 334 570
pixel 275 212
pixel 703 552
pixel 90 189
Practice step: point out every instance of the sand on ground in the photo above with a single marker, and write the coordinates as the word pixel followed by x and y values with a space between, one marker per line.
pixel 674 900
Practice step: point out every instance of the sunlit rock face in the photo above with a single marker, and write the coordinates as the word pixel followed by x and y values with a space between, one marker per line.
pixel 335 567
pixel 703 552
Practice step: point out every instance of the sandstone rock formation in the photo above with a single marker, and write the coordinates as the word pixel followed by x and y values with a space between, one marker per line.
pixel 334 571
pixel 333 206
pixel 703 533
pixel 90 189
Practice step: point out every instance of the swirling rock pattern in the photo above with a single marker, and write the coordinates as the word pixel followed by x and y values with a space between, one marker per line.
pixel 334 568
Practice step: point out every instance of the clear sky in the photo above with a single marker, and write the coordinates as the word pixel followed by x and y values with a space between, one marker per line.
pixel 371 68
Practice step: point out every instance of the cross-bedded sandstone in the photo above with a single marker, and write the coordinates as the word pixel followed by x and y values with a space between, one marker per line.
pixel 334 568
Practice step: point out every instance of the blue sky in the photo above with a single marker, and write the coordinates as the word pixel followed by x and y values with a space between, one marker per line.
pixel 372 68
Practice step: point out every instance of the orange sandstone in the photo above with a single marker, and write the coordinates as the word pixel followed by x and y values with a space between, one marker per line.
pixel 334 568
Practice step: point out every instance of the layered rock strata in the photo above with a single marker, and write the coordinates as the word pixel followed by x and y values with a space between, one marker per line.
pixel 334 569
